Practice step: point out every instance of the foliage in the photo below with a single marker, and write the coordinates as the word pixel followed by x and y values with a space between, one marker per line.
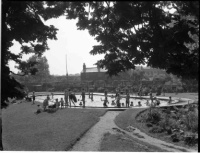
pixel 153 116
pixel 138 32
pixel 129 33
pixel 22 22
pixel 156 129
pixel 42 74
pixel 190 120
pixel 191 139
pixel 180 123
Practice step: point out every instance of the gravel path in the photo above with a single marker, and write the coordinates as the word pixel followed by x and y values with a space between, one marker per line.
pixel 92 139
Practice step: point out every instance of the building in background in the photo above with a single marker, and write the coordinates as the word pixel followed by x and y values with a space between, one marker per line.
pixel 96 77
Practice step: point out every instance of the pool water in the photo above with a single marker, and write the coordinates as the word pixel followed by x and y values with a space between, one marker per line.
pixel 98 100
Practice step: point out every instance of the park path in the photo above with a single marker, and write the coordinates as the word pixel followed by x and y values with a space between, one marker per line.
pixel 92 139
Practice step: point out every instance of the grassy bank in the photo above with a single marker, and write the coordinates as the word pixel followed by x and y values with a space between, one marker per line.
pixel 130 117
pixel 25 131
pixel 125 143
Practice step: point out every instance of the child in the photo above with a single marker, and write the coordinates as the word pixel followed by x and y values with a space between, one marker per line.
pixel 157 102
pixel 118 100
pixel 92 96
pixel 113 102
pixel 70 99
pixel 62 103
pixel 151 97
pixel 48 98
pixel 83 97
pixel 105 100
pixel 45 104
pixel 139 104
pixel 66 97
pixel 127 99
pixel 33 97
pixel 170 100
pixel 39 110
pixel 147 103
pixel 57 103
pixel 132 104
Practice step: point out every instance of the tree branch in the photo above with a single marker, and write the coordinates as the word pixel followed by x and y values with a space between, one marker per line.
pixel 18 74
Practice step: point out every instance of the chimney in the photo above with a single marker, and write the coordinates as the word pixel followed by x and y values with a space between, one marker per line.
pixel 84 68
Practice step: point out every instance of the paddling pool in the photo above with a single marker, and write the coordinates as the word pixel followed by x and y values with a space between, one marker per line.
pixel 98 99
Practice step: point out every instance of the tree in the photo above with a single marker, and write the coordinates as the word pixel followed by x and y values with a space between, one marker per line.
pixel 141 32
pixel 22 22
pixel 42 74
pixel 129 33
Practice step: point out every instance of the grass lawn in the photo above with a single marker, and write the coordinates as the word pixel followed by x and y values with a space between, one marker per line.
pixel 25 131
pixel 125 143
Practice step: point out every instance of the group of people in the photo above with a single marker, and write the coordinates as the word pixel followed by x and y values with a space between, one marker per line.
pixel 70 98
pixel 117 99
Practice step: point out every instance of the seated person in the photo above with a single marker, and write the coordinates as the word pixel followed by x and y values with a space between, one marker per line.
pixel 157 102
pixel 52 106
pixel 147 103
pixel 113 102
pixel 170 100
pixel 39 110
pixel 131 104
pixel 139 104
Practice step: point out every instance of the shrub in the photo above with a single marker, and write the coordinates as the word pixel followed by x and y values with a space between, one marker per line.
pixel 191 139
pixel 173 123
pixel 156 129
pixel 191 121
pixel 154 116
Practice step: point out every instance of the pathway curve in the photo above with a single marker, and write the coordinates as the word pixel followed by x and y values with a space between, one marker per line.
pixel 92 139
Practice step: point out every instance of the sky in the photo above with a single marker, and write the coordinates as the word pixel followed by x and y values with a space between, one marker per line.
pixel 76 44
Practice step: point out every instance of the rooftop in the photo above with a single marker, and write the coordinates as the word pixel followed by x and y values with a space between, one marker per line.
pixel 94 69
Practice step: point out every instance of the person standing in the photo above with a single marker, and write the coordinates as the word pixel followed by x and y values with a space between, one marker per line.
pixel 66 96
pixel 105 100
pixel 170 100
pixel 118 100
pixel 57 103
pixel 83 97
pixel 127 99
pixel 33 97
pixel 45 104
pixel 106 91
pixel 48 98
pixel 92 96
pixel 62 103
pixel 70 97
pixel 52 95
